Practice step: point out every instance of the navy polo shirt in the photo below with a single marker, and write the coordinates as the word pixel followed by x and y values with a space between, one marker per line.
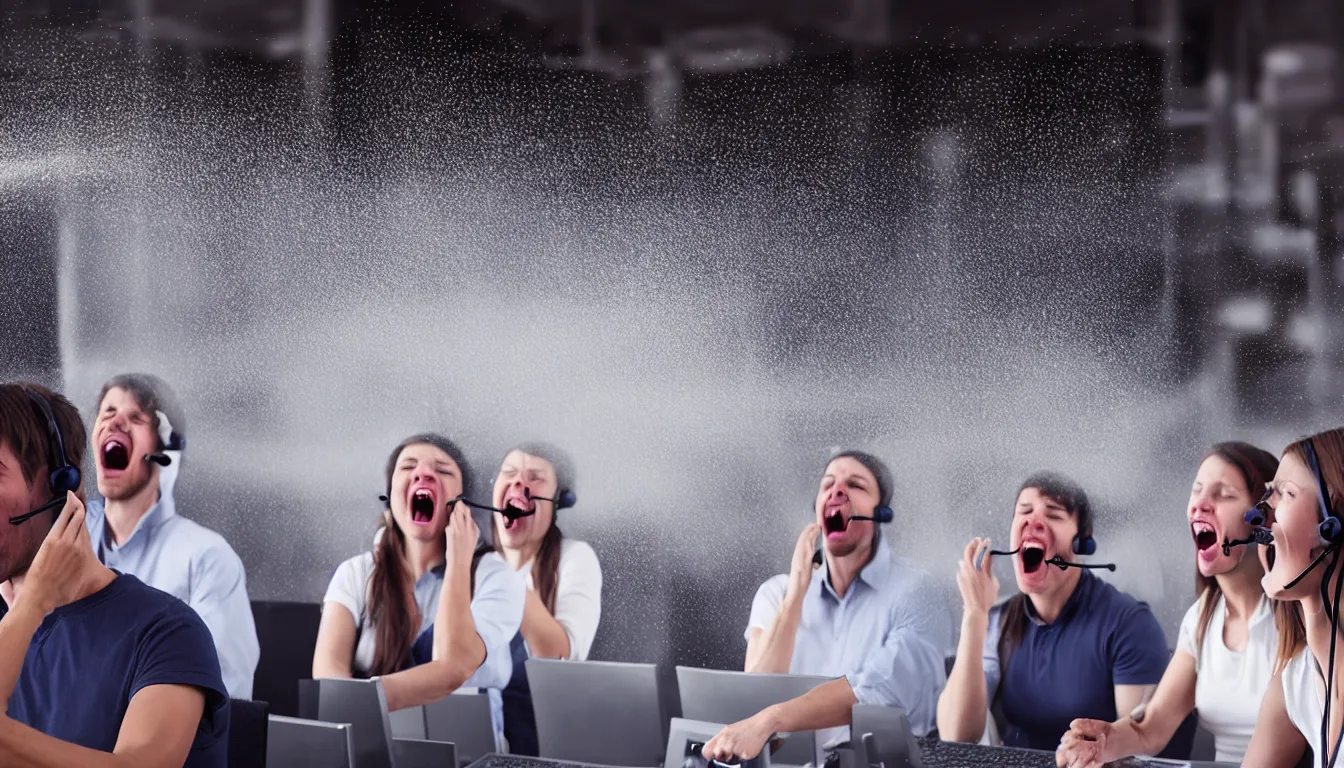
pixel 1069 669
pixel 88 659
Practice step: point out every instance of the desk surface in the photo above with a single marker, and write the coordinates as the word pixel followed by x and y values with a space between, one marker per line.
pixel 937 754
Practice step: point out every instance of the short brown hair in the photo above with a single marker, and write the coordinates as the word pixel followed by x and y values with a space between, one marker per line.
pixel 23 427
pixel 153 395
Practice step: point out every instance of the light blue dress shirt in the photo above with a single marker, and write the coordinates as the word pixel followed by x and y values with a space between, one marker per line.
pixel 195 565
pixel 888 635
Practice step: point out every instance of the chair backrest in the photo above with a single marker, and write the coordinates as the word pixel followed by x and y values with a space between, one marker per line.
pixel 602 712
pixel 462 719
pixel 363 704
pixel 310 743
pixel 287 634
pixel 718 696
pixel 247 733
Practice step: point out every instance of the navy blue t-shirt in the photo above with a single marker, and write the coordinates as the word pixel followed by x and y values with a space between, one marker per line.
pixel 89 658
pixel 1069 669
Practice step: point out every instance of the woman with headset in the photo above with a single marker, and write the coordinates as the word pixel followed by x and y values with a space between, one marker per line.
pixel 1225 656
pixel 564 579
pixel 426 610
pixel 1302 706
pixel 1069 645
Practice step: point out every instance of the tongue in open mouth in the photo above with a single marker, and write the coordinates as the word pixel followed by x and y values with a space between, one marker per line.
pixel 116 456
pixel 422 507
pixel 1032 558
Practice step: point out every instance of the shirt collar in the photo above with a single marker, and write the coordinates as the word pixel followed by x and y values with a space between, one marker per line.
pixel 163 509
pixel 1085 584
pixel 874 574
pixel 434 574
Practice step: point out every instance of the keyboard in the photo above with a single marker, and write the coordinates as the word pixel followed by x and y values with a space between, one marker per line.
pixel 948 754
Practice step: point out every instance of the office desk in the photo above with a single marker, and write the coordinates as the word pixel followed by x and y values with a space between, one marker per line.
pixel 937 754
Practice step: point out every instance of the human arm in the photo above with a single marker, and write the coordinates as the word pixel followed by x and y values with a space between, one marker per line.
pixel 963 704
pixel 496 612
pixel 176 696
pixel 545 637
pixel 457 649
pixel 1276 742
pixel 827 706
pixel 157 732
pixel 770 644
pixel 342 611
pixel 1173 701
pixel 219 595
pixel 336 637
pixel 472 648
pixel 58 573
pixel 569 632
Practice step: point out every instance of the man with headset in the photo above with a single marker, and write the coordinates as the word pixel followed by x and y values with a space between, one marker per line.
pixel 96 668
pixel 138 440
pixel 872 622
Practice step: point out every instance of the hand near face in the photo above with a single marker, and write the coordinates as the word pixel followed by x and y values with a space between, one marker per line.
pixel 462 535
pixel 800 573
pixel 979 587
pixel 53 579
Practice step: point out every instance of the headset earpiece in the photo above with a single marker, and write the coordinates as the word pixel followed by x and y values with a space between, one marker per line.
pixel 565 499
pixel 65 477
pixel 1255 517
pixel 883 514
pixel 1084 545
pixel 1331 531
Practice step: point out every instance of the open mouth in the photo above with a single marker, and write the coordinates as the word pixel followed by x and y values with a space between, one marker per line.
pixel 517 507
pixel 116 454
pixel 422 507
pixel 1269 556
pixel 833 522
pixel 1033 557
pixel 1204 534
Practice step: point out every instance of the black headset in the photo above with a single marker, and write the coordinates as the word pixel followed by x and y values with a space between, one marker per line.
pixel 65 477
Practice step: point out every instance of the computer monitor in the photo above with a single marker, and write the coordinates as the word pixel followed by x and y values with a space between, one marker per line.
pixel 363 704
pixel 294 741
pixel 598 711
pixel 462 719
pixel 719 696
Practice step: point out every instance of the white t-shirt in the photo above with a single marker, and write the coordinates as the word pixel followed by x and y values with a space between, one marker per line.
pixel 1303 698
pixel 1230 684
pixel 578 595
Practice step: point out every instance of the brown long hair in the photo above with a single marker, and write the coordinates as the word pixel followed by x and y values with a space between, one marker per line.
pixel 1070 495
pixel 546 569
pixel 1329 447
pixel 392 609
pixel 1256 468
